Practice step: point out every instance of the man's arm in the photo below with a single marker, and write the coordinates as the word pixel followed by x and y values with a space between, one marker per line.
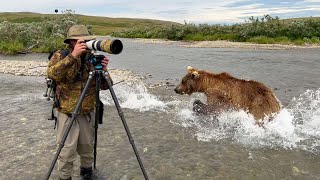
pixel 60 68
pixel 66 67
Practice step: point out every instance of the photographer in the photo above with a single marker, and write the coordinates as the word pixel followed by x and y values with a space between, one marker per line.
pixel 70 69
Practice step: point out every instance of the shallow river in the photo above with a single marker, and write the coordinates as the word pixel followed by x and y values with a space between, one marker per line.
pixel 172 142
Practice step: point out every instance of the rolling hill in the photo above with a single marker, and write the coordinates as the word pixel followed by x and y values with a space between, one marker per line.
pixel 100 25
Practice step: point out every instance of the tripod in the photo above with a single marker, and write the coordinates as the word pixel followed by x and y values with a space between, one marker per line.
pixel 98 73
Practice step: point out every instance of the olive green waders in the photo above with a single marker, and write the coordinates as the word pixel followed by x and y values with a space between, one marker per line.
pixel 79 141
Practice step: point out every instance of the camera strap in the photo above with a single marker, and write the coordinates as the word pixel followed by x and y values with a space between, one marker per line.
pixel 83 64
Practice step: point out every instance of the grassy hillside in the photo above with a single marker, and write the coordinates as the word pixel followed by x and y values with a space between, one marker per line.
pixel 100 25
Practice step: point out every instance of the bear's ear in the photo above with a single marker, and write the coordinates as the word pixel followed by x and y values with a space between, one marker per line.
pixel 190 68
pixel 195 74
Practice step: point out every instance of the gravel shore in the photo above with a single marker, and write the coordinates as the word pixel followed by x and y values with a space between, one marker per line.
pixel 223 44
pixel 23 68
pixel 38 68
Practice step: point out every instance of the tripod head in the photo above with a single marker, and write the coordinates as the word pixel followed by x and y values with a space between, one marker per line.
pixel 96 60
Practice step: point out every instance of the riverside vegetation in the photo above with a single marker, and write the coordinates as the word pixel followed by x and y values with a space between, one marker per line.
pixel 36 36
pixel 32 32
pixel 264 30
pixel 24 32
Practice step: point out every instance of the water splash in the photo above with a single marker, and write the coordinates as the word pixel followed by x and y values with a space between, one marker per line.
pixel 297 126
pixel 133 94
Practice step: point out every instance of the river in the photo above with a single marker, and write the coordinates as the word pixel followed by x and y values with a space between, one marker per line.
pixel 172 142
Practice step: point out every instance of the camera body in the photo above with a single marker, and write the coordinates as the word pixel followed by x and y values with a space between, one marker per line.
pixel 96 60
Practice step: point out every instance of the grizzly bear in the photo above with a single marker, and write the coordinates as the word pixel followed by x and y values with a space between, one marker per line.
pixel 224 91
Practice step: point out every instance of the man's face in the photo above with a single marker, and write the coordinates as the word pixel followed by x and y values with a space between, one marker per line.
pixel 73 42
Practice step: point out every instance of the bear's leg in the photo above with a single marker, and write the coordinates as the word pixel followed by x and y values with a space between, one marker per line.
pixel 201 108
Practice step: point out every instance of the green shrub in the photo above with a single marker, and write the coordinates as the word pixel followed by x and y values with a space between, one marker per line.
pixel 262 40
pixel 43 36
pixel 315 40
pixel 299 42
pixel 11 47
pixel 196 37
pixel 282 40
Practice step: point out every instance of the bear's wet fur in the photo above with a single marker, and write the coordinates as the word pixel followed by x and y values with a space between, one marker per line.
pixel 224 91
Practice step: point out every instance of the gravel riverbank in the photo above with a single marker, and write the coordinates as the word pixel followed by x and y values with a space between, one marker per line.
pixel 23 68
pixel 38 68
pixel 224 44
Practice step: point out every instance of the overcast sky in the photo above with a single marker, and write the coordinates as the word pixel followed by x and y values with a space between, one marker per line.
pixel 191 11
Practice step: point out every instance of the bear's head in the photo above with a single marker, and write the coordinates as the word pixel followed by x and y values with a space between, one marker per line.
pixel 190 83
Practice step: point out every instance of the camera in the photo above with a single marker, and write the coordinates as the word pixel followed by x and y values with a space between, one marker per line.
pixel 109 46
pixel 96 60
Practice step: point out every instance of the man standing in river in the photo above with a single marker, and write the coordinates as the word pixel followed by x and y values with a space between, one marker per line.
pixel 70 69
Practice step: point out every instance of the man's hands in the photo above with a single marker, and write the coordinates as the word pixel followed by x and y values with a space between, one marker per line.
pixel 79 48
pixel 105 62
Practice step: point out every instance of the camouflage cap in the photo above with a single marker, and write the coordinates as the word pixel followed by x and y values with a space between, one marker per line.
pixel 78 32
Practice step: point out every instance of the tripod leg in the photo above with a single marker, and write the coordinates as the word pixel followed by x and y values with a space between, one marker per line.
pixel 49 94
pixel 46 93
pixel 97 117
pixel 116 102
pixel 65 135
pixel 48 81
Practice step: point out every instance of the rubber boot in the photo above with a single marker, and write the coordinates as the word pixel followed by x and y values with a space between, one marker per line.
pixel 86 173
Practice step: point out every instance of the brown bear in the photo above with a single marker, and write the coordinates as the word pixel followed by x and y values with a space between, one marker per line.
pixel 224 91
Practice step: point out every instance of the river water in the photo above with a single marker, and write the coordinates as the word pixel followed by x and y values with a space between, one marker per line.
pixel 172 142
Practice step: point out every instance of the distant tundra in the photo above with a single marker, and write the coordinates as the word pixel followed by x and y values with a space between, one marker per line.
pixel 224 92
